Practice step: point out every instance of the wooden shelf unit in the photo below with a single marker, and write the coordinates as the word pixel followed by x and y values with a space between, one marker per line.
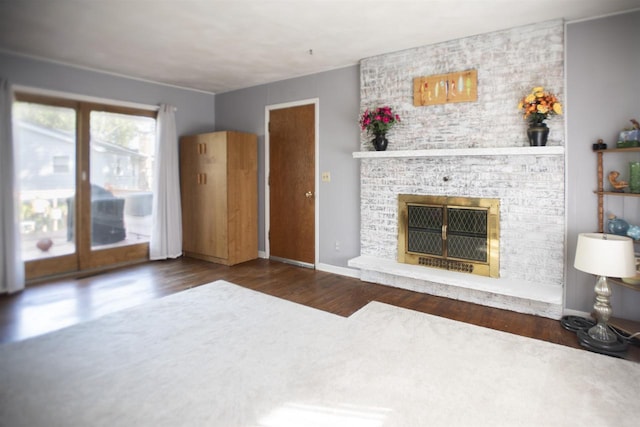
pixel 625 284
pixel 625 325
pixel 600 191
pixel 618 193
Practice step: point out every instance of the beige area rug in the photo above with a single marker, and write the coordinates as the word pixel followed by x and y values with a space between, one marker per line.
pixel 222 355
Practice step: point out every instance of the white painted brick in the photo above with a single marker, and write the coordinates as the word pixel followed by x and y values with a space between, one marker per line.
pixel 509 64
pixel 530 188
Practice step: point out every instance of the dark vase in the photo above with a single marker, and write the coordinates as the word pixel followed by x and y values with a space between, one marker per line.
pixel 380 142
pixel 538 134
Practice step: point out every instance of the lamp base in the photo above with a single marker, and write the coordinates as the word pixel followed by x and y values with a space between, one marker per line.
pixel 615 348
pixel 575 323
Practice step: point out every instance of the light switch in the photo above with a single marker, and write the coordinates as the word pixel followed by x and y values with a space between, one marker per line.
pixel 326 177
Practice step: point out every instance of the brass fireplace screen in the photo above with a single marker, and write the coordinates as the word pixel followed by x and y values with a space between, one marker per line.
pixel 453 233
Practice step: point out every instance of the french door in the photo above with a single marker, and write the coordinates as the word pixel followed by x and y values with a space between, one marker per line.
pixel 85 180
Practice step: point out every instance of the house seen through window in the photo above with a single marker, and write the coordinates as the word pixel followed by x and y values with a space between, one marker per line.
pixel 53 157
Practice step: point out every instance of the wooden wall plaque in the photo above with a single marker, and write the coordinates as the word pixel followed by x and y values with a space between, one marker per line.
pixel 459 86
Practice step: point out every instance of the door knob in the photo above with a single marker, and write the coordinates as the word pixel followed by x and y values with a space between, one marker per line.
pixel 308 194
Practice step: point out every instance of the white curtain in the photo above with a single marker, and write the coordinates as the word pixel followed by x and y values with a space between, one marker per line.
pixel 11 266
pixel 166 231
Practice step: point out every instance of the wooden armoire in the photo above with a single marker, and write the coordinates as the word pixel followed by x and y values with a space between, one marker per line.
pixel 219 191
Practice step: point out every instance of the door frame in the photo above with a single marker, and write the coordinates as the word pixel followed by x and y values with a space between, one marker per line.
pixel 267 202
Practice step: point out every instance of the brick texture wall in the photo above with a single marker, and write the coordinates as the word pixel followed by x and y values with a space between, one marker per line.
pixel 530 188
pixel 509 64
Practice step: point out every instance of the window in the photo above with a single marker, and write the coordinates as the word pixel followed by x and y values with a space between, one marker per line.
pixel 122 155
pixel 61 164
pixel 46 152
pixel 85 179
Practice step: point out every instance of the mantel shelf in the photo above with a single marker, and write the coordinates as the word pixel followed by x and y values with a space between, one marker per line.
pixel 496 151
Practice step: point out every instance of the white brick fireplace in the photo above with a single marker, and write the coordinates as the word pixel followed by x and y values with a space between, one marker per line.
pixel 529 183
pixel 475 149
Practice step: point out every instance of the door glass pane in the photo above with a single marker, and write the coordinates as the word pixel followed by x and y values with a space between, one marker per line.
pixel 122 154
pixel 46 164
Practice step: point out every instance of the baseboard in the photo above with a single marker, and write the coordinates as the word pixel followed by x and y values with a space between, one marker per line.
pixel 343 271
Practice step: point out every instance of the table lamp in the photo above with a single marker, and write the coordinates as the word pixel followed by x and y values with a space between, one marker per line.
pixel 605 255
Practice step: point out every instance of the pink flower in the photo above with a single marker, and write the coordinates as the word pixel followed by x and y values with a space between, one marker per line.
pixel 378 120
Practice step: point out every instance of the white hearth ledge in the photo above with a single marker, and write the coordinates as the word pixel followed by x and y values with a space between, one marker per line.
pixel 516 295
pixel 497 151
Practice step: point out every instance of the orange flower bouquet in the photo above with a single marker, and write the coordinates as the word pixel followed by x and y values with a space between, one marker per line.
pixel 539 105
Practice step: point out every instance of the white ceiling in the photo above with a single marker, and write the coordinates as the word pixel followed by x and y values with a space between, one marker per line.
pixel 218 46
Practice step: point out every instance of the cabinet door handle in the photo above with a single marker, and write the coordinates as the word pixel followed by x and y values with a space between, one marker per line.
pixel 201 178
pixel 202 148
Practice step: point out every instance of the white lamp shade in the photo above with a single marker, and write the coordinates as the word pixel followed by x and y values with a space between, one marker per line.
pixel 605 255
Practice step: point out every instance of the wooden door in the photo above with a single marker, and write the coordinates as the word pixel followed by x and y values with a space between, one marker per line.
pixel 292 184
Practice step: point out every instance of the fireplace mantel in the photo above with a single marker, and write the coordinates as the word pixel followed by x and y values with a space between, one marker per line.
pixel 444 152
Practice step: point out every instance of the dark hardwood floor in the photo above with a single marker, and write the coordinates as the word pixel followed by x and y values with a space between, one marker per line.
pixel 47 307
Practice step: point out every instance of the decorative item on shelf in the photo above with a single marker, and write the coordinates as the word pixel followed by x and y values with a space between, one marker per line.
pixel 604 255
pixel 634 232
pixel 459 86
pixel 600 145
pixel 380 141
pixel 536 107
pixel 621 227
pixel 630 137
pixel 618 186
pixel 634 177
pixel 635 280
pixel 538 133
pixel 377 122
pixel 617 225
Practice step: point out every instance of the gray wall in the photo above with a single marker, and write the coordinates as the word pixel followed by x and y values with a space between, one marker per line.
pixel 603 93
pixel 196 110
pixel 339 102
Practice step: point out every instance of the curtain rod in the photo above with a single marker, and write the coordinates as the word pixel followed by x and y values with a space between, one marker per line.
pixel 83 98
